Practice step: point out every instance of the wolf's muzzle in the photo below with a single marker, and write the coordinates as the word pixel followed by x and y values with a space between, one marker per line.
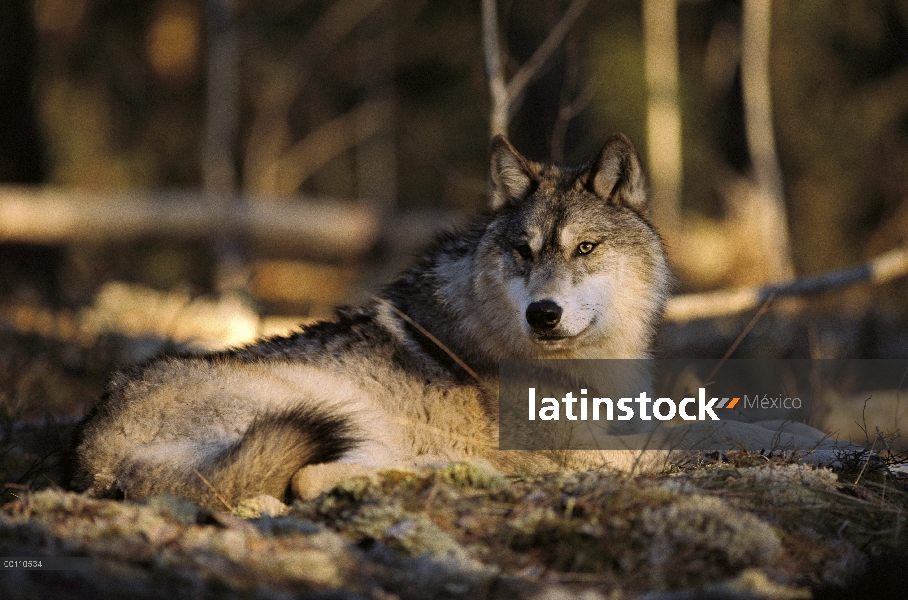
pixel 543 315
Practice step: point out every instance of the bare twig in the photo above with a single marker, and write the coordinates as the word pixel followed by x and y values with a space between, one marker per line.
pixel 883 268
pixel 759 314
pixel 532 68
pixel 431 337
pixel 506 96
pixel 866 461
pixel 567 113
pixel 753 321
pixel 269 131
pixel 338 22
pixel 214 491
pixel 568 107
pixel 330 140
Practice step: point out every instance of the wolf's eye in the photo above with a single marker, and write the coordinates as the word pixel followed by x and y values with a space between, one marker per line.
pixel 525 251
pixel 585 247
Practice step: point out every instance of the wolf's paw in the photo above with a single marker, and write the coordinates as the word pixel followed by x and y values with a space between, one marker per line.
pixel 312 480
pixel 253 508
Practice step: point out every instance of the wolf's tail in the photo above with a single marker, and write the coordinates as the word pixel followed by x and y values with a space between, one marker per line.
pixel 219 475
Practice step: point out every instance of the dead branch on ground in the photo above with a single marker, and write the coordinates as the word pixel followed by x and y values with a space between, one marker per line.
pixel 689 307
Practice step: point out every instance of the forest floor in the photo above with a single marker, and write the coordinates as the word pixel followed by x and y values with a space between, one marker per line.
pixel 736 525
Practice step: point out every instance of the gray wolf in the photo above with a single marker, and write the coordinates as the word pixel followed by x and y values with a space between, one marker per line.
pixel 565 263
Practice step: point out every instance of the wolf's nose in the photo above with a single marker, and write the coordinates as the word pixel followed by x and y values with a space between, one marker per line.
pixel 543 315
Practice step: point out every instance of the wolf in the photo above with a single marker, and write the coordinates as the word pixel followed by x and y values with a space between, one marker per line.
pixel 564 263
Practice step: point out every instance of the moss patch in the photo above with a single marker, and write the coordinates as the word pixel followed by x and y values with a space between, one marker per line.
pixel 466 531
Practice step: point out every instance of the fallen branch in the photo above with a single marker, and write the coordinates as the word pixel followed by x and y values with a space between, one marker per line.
pixel 707 305
pixel 46 215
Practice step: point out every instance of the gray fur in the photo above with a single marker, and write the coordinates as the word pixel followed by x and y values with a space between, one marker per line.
pixel 617 176
pixel 510 174
pixel 368 388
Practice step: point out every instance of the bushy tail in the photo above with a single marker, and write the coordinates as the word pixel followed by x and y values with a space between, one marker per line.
pixel 263 461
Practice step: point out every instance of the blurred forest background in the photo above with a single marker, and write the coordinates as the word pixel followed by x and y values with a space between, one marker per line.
pixel 204 171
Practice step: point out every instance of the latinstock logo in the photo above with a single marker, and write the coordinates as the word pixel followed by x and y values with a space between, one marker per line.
pixel 684 403
pixel 596 409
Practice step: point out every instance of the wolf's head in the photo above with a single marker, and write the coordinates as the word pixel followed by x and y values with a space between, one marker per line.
pixel 569 264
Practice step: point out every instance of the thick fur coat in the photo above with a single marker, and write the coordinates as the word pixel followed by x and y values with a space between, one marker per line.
pixel 564 264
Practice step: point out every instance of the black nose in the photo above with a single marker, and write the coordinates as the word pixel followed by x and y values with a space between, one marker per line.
pixel 543 315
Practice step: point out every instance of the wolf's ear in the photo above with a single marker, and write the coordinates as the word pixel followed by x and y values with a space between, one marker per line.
pixel 510 173
pixel 616 176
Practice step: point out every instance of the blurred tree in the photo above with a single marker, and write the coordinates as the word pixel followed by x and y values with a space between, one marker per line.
pixel 27 272
pixel 348 98
pixel 843 124
pixel 120 91
pixel 21 152
pixel 663 115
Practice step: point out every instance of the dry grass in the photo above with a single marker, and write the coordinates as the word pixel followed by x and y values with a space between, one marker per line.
pixel 777 529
